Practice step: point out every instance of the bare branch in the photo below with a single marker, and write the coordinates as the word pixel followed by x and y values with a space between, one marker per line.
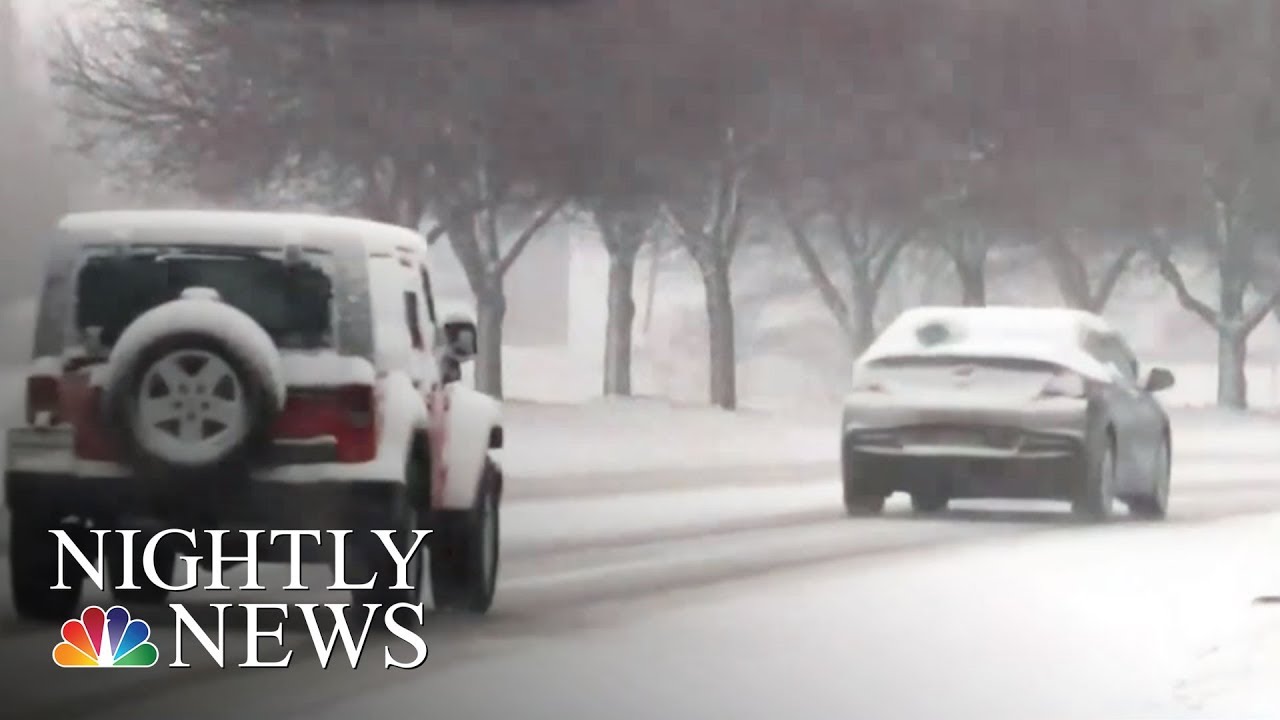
pixel 813 264
pixel 1254 316
pixel 1173 276
pixel 736 218
pixel 1111 277
pixel 888 257
pixel 689 236
pixel 540 221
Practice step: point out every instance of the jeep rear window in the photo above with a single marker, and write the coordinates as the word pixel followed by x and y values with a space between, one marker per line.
pixel 291 300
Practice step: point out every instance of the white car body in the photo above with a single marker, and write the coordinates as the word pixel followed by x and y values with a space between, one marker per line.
pixel 325 394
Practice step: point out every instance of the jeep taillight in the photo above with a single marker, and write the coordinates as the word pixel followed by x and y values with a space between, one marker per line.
pixel 43 400
pixel 93 441
pixel 346 413
pixel 357 403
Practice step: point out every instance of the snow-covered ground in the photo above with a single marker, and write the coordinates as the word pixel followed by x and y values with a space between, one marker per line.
pixel 1235 674
pixel 973 616
pixel 549 440
pixel 565 375
pixel 1112 623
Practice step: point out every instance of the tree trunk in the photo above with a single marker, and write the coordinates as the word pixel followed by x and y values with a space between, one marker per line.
pixel 491 308
pixel 973 285
pixel 1069 271
pixel 619 324
pixel 652 291
pixel 1233 388
pixel 723 358
pixel 862 313
pixel 1233 338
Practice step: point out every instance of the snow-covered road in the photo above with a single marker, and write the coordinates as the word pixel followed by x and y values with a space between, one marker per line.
pixel 764 600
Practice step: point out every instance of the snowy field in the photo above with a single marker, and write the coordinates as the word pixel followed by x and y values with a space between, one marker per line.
pixel 579 437
pixel 556 428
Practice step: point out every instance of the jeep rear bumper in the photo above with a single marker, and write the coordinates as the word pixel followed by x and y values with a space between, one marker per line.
pixel 44 477
pixel 52 451
pixel 132 502
pixel 297 487
pixel 40 450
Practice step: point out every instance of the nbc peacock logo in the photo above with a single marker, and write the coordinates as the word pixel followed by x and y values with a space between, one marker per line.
pixel 105 639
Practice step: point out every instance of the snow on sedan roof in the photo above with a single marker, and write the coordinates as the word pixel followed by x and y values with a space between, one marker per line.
pixel 1055 335
pixel 234 227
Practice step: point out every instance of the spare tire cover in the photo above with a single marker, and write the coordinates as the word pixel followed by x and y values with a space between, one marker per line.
pixel 192 383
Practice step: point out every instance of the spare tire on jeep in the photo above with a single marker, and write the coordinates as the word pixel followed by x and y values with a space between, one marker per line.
pixel 192 386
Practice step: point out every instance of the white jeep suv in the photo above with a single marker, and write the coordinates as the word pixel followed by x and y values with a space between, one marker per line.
pixel 241 370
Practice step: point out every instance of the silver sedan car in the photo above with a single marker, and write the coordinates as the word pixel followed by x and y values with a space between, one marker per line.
pixel 1005 402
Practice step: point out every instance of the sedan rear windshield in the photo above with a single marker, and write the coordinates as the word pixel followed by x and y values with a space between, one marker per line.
pixel 292 300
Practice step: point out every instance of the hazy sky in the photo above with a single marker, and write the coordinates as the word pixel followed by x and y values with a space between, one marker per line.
pixel 35 17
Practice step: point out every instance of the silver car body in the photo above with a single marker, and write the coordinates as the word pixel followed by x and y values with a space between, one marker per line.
pixel 961 387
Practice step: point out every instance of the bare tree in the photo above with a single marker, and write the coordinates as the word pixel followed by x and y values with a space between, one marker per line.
pixel 623 109
pixel 1219 148
pixel 709 216
pixel 1073 276
pixel 855 188
pixel 406 112
pixel 623 232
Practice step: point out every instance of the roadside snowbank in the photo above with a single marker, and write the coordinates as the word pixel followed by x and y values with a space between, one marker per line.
pixel 782 381
pixel 640 435
pixel 637 435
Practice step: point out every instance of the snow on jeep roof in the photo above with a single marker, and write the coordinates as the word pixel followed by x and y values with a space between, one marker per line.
pixel 234 227
pixel 1055 335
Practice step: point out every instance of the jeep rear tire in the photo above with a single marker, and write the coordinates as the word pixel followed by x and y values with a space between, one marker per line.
pixel 465 552
pixel 189 403
pixel 33 569
pixel 373 557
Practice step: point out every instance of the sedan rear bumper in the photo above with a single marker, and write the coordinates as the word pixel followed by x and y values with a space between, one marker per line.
pixel 961 477
pixel 965 461
pixel 870 412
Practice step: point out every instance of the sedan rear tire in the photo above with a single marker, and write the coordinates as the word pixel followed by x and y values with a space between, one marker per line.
pixel 929 501
pixel 1096 493
pixel 858 501
pixel 1156 505
pixel 864 505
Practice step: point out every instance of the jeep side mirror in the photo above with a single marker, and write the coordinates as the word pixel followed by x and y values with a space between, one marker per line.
pixel 460 336
pixel 1158 379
